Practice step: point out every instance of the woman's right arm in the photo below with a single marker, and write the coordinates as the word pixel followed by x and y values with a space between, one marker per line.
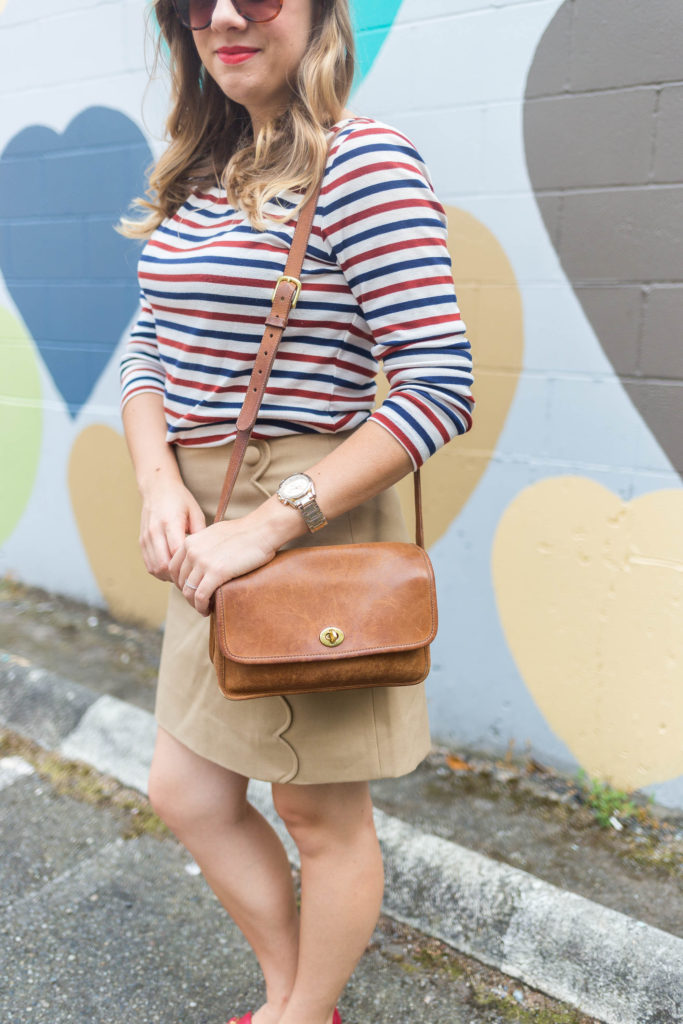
pixel 169 510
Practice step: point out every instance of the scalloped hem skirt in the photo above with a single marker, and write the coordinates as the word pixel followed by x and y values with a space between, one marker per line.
pixel 379 732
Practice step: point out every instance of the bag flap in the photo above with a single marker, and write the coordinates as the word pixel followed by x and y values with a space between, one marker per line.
pixel 340 601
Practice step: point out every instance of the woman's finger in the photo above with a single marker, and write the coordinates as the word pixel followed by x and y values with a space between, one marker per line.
pixel 202 598
pixel 156 553
pixel 190 591
pixel 175 565
pixel 196 518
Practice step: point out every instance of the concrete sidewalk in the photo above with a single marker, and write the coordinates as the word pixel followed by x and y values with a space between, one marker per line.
pixel 609 965
pixel 107 920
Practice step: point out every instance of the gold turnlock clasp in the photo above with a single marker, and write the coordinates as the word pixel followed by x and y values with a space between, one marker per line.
pixel 332 636
pixel 292 280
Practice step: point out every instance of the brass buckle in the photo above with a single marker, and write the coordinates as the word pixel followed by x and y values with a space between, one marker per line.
pixel 292 280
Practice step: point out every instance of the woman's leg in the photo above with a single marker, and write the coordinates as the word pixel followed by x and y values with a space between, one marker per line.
pixel 342 881
pixel 240 855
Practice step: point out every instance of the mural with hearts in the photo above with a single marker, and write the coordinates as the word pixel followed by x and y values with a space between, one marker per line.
pixel 552 132
pixel 597 633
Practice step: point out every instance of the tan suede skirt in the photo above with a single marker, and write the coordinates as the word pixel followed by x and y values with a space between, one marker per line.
pixel 378 732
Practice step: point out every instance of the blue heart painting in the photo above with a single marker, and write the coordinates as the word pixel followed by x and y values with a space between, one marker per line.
pixel 71 276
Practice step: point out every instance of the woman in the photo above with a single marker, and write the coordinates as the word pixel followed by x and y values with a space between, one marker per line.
pixel 259 90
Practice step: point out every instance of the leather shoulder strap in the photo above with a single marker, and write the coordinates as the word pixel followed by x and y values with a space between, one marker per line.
pixel 284 299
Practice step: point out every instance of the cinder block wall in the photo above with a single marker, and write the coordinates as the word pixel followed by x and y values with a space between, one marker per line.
pixel 603 125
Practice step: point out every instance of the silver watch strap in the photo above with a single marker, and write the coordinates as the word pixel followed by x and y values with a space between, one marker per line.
pixel 313 516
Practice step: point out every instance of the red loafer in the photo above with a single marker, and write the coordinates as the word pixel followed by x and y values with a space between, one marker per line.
pixel 336 1018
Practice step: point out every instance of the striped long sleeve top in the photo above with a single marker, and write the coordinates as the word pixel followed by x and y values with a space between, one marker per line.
pixel 377 286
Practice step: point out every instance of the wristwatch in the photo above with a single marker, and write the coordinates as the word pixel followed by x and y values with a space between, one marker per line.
pixel 298 491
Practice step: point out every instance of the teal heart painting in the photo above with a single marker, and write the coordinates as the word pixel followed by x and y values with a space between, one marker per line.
pixel 70 275
pixel 372 23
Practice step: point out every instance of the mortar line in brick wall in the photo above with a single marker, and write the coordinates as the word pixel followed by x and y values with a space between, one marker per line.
pixel 551 374
pixel 11 402
pixel 491 9
pixel 569 190
pixel 620 282
pixel 602 91
pixel 642 317
pixel 560 466
pixel 51 405
pixel 579 467
pixel 572 42
pixel 470 196
pixel 68 218
pixel 657 382
pixel 654 129
pixel 391 116
pixel 67 84
pixel 458 198
pixel 104 281
pixel 560 224
pixel 585 282
pixel 97 148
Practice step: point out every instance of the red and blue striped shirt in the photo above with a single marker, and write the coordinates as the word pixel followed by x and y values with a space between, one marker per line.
pixel 377 286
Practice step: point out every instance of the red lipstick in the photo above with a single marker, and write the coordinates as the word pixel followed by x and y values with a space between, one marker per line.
pixel 235 54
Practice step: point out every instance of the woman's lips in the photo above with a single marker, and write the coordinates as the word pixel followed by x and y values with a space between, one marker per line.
pixel 235 54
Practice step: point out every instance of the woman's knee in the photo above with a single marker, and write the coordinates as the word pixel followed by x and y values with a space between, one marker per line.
pixel 186 790
pixel 168 794
pixel 318 817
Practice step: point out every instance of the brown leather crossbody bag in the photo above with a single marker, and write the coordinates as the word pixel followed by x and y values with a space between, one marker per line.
pixel 317 619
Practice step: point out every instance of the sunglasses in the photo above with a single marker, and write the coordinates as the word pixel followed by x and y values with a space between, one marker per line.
pixel 197 14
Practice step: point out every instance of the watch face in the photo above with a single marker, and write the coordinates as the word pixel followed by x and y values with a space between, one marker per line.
pixel 295 486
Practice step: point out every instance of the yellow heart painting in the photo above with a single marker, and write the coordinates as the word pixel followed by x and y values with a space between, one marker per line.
pixel 491 306
pixel 590 596
pixel 106 506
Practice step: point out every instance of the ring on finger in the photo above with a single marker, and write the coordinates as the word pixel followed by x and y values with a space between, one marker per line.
pixel 191 586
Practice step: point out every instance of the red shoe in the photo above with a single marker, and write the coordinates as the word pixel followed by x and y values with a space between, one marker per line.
pixel 336 1018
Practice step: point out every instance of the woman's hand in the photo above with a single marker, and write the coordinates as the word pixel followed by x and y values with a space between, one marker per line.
pixel 169 513
pixel 169 510
pixel 217 554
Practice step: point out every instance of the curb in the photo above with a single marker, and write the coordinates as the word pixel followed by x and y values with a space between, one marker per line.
pixel 606 964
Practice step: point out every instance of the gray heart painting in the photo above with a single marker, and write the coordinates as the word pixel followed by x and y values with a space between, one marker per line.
pixel 604 146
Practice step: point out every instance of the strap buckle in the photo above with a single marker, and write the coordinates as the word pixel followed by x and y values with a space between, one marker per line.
pixel 291 280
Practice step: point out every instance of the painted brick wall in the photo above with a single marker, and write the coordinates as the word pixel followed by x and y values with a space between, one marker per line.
pixel 603 122
pixel 552 130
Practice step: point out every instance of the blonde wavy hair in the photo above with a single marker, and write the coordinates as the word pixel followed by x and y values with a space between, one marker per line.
pixel 211 139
